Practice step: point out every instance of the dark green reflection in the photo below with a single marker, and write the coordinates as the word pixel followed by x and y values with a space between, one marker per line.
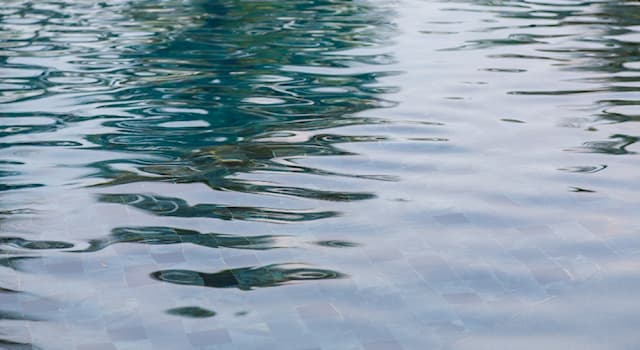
pixel 604 58
pixel 213 92
pixel 31 244
pixel 246 278
pixel 246 90
pixel 337 244
pixel 16 250
pixel 616 145
pixel 191 312
pixel 167 206
pixel 11 345
pixel 14 262
pixel 15 316
pixel 169 235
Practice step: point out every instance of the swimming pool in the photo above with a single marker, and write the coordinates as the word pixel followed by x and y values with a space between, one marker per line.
pixel 319 174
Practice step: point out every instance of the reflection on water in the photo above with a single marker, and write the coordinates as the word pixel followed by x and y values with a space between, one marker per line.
pixel 191 311
pixel 169 235
pixel 27 244
pixel 409 175
pixel 177 207
pixel 9 345
pixel 245 278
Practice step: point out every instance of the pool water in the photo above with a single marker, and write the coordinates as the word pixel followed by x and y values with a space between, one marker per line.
pixel 319 174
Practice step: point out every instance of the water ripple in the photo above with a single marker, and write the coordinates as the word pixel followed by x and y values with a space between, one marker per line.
pixel 169 235
pixel 460 165
pixel 246 278
pixel 167 206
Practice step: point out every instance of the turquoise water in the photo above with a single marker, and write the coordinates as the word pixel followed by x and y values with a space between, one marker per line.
pixel 319 174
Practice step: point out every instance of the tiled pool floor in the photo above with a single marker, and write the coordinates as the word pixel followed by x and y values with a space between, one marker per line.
pixel 315 175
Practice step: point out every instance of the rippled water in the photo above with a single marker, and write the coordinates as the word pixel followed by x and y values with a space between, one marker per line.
pixel 319 174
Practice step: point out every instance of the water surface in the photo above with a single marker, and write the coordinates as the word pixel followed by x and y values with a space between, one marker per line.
pixel 319 174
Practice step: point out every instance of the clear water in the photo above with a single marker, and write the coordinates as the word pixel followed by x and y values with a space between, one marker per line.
pixel 319 174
